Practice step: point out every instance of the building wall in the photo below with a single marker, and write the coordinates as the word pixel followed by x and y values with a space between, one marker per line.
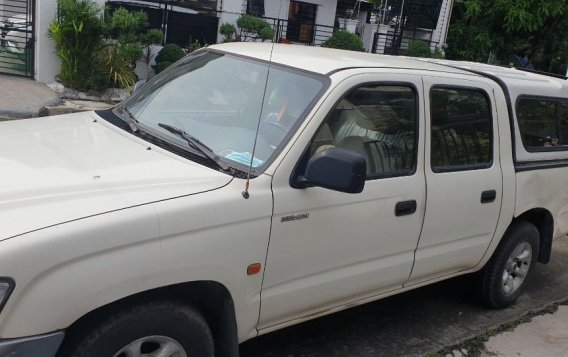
pixel 46 62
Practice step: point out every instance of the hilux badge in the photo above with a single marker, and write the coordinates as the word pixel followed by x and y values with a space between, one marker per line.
pixel 295 217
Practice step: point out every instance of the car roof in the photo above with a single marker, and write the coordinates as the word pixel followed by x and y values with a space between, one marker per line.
pixel 325 60
pixel 519 81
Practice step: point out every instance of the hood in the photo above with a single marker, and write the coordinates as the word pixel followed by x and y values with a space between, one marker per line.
pixel 63 168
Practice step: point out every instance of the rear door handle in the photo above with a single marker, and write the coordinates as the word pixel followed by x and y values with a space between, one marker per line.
pixel 488 196
pixel 405 208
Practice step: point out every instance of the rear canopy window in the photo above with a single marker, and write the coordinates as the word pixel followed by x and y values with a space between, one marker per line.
pixel 543 122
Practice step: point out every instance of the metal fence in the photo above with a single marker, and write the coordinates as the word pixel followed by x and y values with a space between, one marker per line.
pixel 394 44
pixel 17 37
pixel 299 32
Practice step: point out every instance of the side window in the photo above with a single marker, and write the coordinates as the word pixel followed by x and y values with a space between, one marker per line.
pixel 462 136
pixel 378 122
pixel 543 122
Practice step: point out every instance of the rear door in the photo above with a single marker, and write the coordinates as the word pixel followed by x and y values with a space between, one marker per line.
pixel 463 177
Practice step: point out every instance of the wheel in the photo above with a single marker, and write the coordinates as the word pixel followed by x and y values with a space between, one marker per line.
pixel 157 329
pixel 504 276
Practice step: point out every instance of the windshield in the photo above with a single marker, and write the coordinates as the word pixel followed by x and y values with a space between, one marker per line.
pixel 219 100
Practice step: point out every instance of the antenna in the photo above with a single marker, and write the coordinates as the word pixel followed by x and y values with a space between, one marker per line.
pixel 245 193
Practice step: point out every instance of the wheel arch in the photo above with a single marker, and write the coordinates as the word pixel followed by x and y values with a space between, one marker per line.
pixel 543 220
pixel 212 299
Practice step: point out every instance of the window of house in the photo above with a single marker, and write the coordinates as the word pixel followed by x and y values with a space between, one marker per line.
pixel 461 129
pixel 301 22
pixel 255 7
pixel 543 122
pixel 378 122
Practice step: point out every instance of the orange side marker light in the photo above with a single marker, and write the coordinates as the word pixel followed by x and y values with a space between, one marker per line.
pixel 254 269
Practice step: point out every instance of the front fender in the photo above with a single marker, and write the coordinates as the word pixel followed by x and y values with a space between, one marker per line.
pixel 66 271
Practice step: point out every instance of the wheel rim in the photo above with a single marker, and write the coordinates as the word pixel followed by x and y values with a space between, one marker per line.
pixel 516 268
pixel 152 346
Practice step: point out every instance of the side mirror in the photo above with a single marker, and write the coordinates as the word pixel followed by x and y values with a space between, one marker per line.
pixel 335 169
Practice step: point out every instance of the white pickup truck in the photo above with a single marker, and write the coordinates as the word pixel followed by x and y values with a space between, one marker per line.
pixel 251 187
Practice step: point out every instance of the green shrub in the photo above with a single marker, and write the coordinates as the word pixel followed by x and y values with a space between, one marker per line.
pixel 437 54
pixel 168 55
pixel 228 31
pixel 266 33
pixel 345 40
pixel 252 27
pixel 78 34
pixel 152 37
pixel 160 66
pixel 132 52
pixel 128 24
pixel 419 48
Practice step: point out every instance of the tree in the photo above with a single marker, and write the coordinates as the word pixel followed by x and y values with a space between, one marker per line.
pixel 503 29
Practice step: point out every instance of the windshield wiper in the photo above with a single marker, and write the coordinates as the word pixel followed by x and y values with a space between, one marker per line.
pixel 130 119
pixel 196 144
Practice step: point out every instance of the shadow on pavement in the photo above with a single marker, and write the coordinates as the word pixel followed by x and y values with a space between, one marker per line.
pixel 414 323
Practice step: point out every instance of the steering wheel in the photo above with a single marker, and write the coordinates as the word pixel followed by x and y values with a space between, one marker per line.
pixel 275 125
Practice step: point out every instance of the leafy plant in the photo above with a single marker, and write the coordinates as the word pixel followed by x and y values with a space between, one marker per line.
pixel 114 68
pixel 344 40
pixel 128 24
pixel 168 55
pixel 228 31
pixel 132 52
pixel 152 37
pixel 160 66
pixel 501 31
pixel 193 46
pixel 266 33
pixel 419 48
pixel 253 28
pixel 78 34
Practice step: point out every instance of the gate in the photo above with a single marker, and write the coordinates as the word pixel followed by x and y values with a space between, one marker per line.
pixel 17 37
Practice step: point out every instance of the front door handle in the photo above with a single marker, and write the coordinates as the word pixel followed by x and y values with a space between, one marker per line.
pixel 488 196
pixel 405 208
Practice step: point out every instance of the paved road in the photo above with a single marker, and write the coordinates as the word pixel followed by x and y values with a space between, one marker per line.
pixel 414 323
pixel 23 98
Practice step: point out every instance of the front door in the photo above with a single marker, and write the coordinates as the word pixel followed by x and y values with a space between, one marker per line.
pixel 463 176
pixel 328 248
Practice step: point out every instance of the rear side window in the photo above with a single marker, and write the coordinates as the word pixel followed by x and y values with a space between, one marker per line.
pixel 462 137
pixel 543 123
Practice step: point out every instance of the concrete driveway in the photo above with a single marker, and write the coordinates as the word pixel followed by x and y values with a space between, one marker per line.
pixel 416 323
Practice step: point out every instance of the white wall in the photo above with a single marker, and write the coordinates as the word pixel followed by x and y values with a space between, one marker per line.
pixel 46 62
pixel 440 33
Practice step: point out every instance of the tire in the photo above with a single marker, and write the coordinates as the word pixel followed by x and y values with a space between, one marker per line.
pixel 504 276
pixel 145 328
